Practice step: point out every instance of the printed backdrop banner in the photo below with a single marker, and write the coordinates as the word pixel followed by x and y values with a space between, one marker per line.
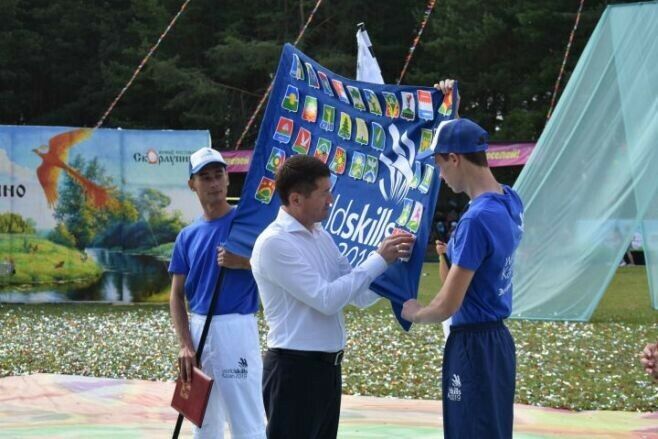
pixel 82 208
pixel 507 154
pixel 377 141
pixel 34 161
pixel 498 154
pixel 237 161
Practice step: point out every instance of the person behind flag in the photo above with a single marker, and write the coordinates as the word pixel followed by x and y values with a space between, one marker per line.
pixel 304 283
pixel 479 366
pixel 232 353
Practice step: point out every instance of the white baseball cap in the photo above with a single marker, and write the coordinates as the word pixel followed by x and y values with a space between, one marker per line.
pixel 203 157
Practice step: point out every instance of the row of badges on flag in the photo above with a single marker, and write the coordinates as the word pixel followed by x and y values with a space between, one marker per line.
pixel 362 167
pixel 375 137
pixel 353 96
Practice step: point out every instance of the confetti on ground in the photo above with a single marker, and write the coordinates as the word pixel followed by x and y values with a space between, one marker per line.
pixel 577 366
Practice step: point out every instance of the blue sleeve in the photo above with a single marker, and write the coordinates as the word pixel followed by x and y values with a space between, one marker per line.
pixel 179 263
pixel 471 244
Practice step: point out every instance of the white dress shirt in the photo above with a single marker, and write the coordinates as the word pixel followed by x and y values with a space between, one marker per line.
pixel 304 283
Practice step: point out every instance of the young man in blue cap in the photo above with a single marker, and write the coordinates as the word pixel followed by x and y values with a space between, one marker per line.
pixel 479 366
pixel 232 352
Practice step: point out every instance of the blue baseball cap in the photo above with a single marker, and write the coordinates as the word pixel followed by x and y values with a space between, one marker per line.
pixel 460 136
pixel 203 157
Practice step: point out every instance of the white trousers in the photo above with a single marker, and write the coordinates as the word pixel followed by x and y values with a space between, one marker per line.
pixel 232 357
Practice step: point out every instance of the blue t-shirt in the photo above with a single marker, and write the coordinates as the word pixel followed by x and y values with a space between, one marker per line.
pixel 195 256
pixel 484 241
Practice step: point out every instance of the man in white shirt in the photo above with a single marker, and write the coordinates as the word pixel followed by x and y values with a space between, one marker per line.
pixel 304 284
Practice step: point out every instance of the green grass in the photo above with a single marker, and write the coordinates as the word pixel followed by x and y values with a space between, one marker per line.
pixel 627 298
pixel 39 261
pixel 625 301
pixel 162 251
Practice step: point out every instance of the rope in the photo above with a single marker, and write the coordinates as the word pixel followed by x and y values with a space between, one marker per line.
pixel 564 61
pixel 269 88
pixel 141 65
pixel 426 16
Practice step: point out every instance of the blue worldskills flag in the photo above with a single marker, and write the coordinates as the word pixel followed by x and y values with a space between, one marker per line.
pixel 376 170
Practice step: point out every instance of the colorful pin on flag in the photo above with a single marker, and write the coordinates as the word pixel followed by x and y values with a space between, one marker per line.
pixel 357 100
pixel 416 217
pixel 408 106
pixel 425 140
pixel 416 179
pixel 310 112
pixel 425 110
pixel 358 165
pixel 378 137
pixel 324 80
pixel 277 157
pixel 345 126
pixel 265 190
pixel 283 130
pixel 361 132
pixel 371 169
pixel 291 99
pixel 406 212
pixel 426 182
pixel 328 117
pixel 340 90
pixel 296 69
pixel 373 102
pixel 312 77
pixel 446 106
pixel 322 149
pixel 339 162
pixel 302 142
pixel 392 105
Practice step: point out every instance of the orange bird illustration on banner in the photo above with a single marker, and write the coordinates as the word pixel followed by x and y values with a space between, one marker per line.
pixel 55 158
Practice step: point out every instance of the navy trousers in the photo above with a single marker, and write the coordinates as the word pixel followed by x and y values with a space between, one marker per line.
pixel 479 377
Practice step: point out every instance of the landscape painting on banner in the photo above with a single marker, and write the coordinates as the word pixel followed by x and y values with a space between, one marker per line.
pixel 376 140
pixel 65 191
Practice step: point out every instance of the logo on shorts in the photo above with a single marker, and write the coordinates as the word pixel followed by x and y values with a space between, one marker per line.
pixel 455 388
pixel 239 373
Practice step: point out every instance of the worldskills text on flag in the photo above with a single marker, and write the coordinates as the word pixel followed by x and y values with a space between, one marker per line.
pixel 376 140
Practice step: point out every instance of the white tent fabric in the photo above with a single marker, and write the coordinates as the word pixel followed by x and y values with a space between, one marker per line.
pixel 591 181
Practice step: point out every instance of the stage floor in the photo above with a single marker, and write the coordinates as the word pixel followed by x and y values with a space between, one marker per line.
pixel 60 406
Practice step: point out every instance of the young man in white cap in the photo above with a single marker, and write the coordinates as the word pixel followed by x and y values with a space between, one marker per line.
pixel 479 366
pixel 232 352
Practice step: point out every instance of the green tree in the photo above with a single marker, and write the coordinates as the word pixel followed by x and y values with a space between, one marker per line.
pixel 64 62
pixel 506 55
pixel 15 223
pixel 81 219
pixel 61 235
pixel 152 203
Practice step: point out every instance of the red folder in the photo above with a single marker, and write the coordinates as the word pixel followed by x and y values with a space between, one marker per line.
pixel 191 399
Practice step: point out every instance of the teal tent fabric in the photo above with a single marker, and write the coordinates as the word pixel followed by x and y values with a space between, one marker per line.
pixel 593 177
